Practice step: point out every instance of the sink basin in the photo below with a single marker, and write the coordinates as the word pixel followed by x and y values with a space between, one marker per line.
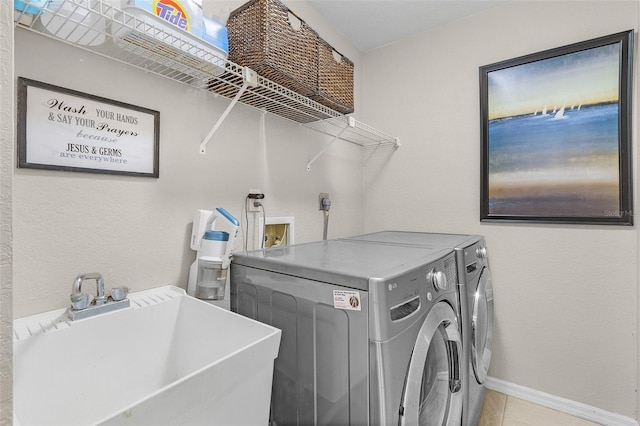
pixel 168 359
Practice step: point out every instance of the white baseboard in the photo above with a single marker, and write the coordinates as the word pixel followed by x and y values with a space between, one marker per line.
pixel 567 406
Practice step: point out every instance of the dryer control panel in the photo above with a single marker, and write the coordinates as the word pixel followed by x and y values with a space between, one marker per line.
pixel 472 259
pixel 400 300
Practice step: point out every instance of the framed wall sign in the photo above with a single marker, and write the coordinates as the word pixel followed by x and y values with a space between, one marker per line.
pixel 62 129
pixel 556 135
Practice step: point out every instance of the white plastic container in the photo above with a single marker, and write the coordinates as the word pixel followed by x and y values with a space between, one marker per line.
pixel 212 279
pixel 162 41
pixel 76 21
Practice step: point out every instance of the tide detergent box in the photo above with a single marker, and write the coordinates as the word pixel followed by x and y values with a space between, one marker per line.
pixel 184 14
pixel 215 33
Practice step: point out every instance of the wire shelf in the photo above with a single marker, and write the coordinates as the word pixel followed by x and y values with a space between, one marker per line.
pixel 101 28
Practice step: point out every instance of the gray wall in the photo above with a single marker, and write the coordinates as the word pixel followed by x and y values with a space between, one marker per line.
pixel 566 298
pixel 135 231
pixel 7 143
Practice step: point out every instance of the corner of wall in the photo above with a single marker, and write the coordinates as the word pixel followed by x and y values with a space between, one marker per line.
pixel 6 208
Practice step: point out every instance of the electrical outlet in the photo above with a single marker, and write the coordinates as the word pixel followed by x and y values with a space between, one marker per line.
pixel 254 200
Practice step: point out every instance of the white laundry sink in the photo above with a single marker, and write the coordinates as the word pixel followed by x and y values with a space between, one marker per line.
pixel 168 359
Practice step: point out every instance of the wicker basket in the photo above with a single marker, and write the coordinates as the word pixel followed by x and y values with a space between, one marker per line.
pixel 335 79
pixel 262 37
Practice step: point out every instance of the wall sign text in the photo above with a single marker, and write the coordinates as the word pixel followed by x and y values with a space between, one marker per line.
pixel 62 129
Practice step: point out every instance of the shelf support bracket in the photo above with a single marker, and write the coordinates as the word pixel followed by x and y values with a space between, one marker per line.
pixel 351 123
pixel 250 78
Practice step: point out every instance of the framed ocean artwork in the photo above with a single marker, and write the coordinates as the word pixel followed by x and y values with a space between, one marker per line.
pixel 556 135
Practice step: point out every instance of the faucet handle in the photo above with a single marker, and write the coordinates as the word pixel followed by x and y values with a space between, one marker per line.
pixel 119 293
pixel 80 301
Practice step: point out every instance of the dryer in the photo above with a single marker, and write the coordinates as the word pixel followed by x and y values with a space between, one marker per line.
pixel 474 281
pixel 370 333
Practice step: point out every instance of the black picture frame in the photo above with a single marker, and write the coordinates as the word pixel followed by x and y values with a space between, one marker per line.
pixel 569 166
pixel 67 130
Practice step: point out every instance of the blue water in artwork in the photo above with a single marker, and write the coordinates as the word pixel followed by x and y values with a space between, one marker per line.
pixel 545 164
pixel 544 141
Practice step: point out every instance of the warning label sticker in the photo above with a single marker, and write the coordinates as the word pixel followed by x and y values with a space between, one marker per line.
pixel 346 300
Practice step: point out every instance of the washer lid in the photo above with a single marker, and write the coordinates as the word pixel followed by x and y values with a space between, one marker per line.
pixel 340 262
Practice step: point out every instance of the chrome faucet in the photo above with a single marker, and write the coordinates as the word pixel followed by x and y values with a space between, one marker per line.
pixel 84 305
pixel 100 298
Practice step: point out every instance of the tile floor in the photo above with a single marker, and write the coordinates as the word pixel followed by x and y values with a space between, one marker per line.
pixel 503 410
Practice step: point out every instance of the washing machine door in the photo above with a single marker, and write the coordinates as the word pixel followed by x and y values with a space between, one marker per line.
pixel 433 390
pixel 482 326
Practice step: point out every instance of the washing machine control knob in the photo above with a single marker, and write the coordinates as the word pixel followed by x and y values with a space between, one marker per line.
pixel 481 252
pixel 438 279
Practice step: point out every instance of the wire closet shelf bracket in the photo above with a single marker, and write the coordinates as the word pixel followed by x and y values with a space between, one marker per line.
pixel 101 28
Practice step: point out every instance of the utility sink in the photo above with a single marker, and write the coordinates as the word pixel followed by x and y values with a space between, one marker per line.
pixel 169 359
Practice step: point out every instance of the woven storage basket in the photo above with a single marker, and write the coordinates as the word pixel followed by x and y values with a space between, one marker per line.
pixel 335 79
pixel 262 37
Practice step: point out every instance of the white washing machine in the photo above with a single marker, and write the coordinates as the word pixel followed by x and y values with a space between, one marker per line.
pixel 474 280
pixel 370 332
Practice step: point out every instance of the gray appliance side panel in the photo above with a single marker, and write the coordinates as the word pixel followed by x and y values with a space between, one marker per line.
pixel 321 373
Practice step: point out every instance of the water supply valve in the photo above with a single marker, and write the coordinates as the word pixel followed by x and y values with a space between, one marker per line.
pixel 325 201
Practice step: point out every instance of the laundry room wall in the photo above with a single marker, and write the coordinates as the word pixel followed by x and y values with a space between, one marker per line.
pixel 135 231
pixel 6 202
pixel 566 299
